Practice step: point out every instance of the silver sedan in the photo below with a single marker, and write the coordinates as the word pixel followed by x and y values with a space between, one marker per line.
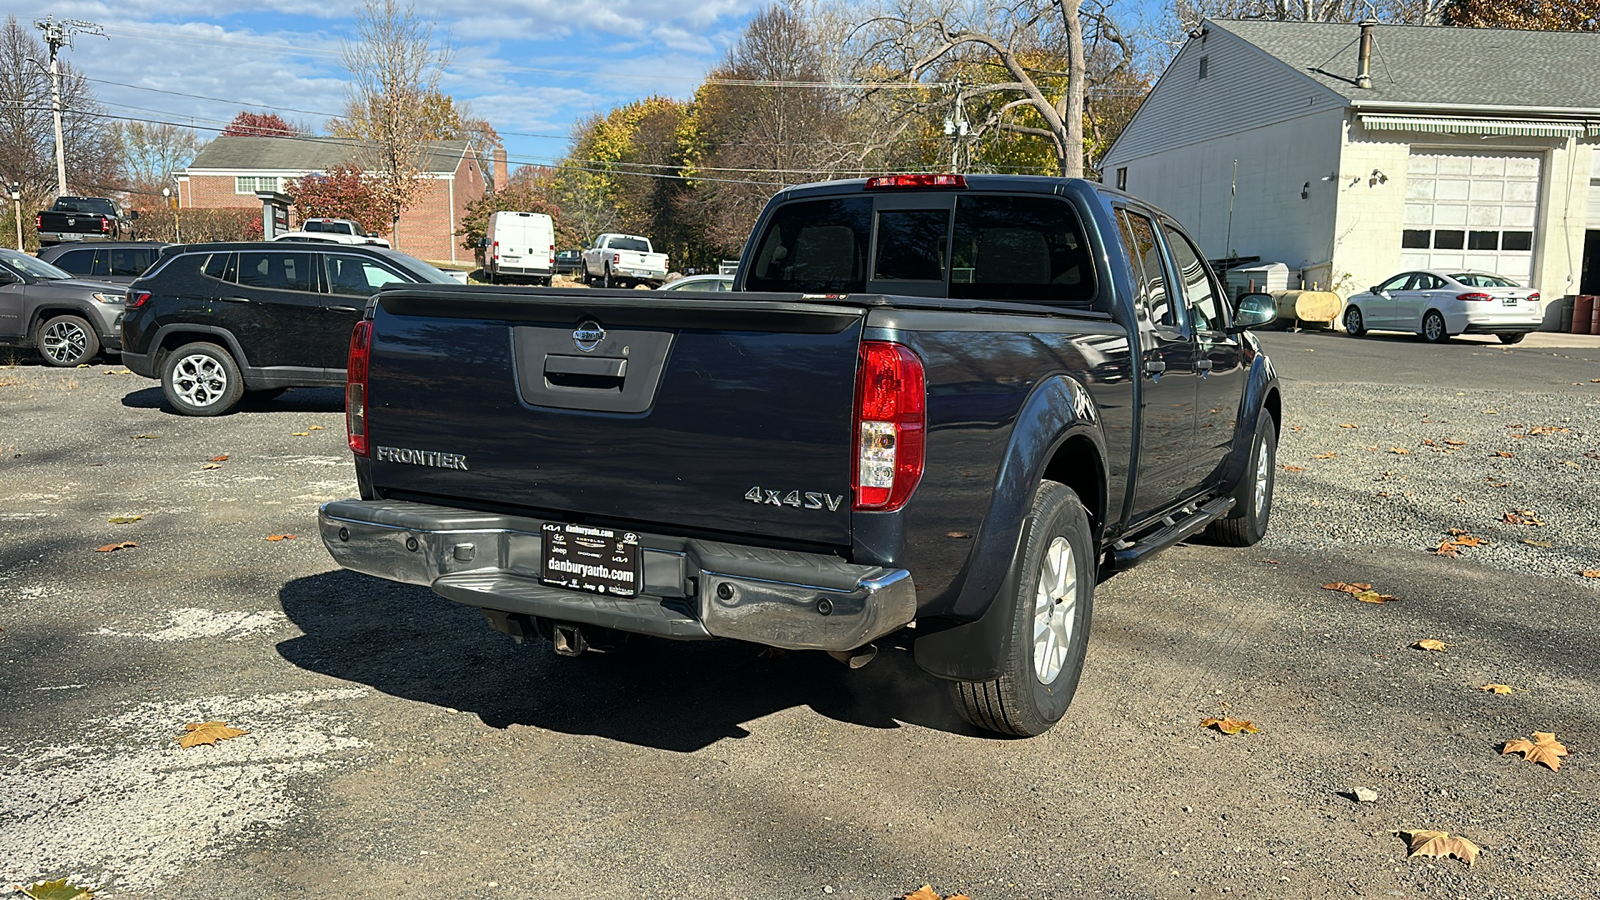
pixel 1438 304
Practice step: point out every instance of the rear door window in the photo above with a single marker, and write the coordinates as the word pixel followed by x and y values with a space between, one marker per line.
pixel 1149 269
pixel 1027 248
pixel 130 261
pixel 219 266
pixel 814 246
pixel 278 270
pixel 353 276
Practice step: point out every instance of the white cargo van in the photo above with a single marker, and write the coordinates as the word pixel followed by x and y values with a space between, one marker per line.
pixel 519 245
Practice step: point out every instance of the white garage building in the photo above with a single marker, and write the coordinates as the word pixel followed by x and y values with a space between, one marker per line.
pixel 1452 148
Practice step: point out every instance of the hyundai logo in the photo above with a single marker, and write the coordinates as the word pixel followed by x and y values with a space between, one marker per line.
pixel 589 335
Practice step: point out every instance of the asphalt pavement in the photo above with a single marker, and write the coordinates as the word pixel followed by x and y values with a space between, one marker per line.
pixel 400 748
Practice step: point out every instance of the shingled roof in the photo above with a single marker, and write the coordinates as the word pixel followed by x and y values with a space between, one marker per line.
pixel 1438 65
pixel 312 153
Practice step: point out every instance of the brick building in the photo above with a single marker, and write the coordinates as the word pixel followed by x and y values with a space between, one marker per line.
pixel 228 172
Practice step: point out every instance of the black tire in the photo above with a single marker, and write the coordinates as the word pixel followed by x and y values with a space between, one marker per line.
pixel 201 379
pixel 583 272
pixel 1039 670
pixel 488 275
pixel 1512 338
pixel 1434 331
pixel 66 341
pixel 1246 524
pixel 606 280
pixel 1354 324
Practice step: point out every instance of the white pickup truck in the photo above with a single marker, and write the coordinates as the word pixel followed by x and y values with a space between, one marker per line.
pixel 621 260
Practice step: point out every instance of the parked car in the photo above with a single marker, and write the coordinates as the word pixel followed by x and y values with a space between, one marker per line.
pixel 519 245
pixel 1438 304
pixel 949 402
pixel 214 322
pixel 114 262
pixel 82 219
pixel 326 237
pixel 622 260
pixel 700 283
pixel 569 262
pixel 344 227
pixel 67 320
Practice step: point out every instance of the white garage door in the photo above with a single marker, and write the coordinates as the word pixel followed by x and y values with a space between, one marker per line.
pixel 1471 210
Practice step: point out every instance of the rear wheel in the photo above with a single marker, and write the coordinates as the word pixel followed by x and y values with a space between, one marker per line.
pixel 1433 328
pixel 201 379
pixel 66 341
pixel 1246 524
pixel 584 274
pixel 1354 325
pixel 606 282
pixel 1511 338
pixel 1052 603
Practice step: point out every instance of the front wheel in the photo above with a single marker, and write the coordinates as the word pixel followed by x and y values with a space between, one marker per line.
pixel 1052 602
pixel 1354 325
pixel 1246 524
pixel 1511 338
pixel 1433 328
pixel 201 379
pixel 67 341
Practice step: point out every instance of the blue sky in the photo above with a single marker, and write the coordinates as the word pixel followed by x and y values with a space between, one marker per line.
pixel 531 67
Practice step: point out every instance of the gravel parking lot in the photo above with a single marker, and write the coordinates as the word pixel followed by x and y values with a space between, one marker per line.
pixel 399 748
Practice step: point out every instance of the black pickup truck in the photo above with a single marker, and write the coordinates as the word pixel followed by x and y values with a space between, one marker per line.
pixel 82 219
pixel 939 403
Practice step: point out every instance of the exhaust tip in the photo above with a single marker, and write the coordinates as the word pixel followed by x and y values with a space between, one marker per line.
pixel 856 658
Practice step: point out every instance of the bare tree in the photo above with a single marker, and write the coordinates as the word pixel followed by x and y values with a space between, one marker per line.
pixel 394 69
pixel 1412 12
pixel 27 141
pixel 1028 55
pixel 152 152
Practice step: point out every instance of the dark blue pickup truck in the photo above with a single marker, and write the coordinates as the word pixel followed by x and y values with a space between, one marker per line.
pixel 940 403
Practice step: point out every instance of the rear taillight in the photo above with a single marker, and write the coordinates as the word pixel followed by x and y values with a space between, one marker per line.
pixel 105 226
pixel 496 249
pixel 1475 297
pixel 616 259
pixel 1533 297
pixel 891 416
pixel 135 299
pixel 355 388
pixel 916 181
pixel 38 221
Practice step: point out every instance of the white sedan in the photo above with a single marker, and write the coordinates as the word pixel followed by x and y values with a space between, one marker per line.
pixel 1438 304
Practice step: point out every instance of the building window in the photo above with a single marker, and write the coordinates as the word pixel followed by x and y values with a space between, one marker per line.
pixel 249 184
pixel 1449 240
pixel 1122 178
pixel 1483 240
pixel 1415 239
pixel 1517 240
pixel 1205 66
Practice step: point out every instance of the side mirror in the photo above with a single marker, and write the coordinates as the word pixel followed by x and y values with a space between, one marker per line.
pixel 1254 311
pixel 133 214
pixel 483 243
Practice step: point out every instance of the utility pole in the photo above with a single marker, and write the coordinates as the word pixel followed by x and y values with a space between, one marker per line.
pixel 58 35
pixel 956 126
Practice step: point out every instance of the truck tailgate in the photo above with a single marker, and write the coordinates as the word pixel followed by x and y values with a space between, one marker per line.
pixel 722 416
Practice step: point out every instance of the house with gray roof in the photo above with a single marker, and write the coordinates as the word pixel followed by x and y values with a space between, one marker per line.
pixel 229 171
pixel 1353 152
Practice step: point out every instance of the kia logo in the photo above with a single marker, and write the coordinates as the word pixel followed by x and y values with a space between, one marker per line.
pixel 589 335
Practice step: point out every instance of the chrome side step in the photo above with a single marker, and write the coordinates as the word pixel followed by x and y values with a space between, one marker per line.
pixel 1174 528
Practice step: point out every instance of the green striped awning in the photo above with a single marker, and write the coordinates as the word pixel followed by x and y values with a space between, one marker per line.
pixel 1451 125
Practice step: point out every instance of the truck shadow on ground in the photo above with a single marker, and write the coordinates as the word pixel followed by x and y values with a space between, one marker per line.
pixel 680 696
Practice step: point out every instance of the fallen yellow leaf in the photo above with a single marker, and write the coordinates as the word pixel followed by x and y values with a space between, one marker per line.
pixel 1439 844
pixel 54 890
pixel 112 548
pixel 1230 725
pixel 1400 450
pixel 1328 455
pixel 1294 468
pixel 1497 688
pixel 207 733
pixel 1544 749
pixel 124 520
pixel 211 466
pixel 280 537
pixel 316 428
pixel 301 433
pixel 1430 644
pixel 1590 573
pixel 1348 425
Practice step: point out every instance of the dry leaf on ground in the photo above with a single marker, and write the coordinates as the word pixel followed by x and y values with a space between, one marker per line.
pixel 1521 517
pixel 280 537
pixel 124 520
pixel 1400 450
pixel 1439 844
pixel 221 458
pixel 1430 644
pixel 147 437
pixel 301 433
pixel 207 733
pixel 1503 454
pixel 316 428
pixel 1329 455
pixel 926 892
pixel 211 466
pixel 112 548
pixel 1455 443
pixel 1544 749
pixel 1360 590
pixel 1590 573
pixel 1230 725
pixel 1294 468
pixel 1533 543
pixel 54 890
pixel 1498 688
pixel 1348 425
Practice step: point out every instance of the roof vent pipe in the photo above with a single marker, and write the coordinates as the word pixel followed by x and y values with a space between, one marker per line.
pixel 1364 67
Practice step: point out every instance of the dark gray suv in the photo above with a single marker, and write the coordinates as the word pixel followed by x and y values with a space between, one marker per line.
pixel 117 262
pixel 215 322
pixel 43 308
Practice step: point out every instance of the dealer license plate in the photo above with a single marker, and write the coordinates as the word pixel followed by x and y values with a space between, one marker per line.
pixel 1510 301
pixel 597 560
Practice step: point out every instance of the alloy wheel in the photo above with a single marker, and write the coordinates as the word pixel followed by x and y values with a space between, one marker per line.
pixel 64 342
pixel 199 379
pixel 1055 604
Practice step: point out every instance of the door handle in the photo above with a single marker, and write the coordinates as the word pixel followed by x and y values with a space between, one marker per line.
pixel 237 299
pixel 344 308
pixel 1202 365
pixel 1154 367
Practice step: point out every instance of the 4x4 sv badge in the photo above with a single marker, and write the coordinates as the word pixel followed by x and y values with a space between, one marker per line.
pixel 813 499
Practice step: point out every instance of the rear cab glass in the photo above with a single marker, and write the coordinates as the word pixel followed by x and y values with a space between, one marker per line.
pixel 975 246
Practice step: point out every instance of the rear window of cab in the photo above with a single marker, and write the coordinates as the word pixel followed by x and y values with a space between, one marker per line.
pixel 1029 248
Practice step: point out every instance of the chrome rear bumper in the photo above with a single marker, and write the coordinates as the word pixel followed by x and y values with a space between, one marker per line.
pixel 691 588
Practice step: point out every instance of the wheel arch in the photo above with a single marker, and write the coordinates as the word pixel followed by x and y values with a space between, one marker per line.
pixel 171 337
pixel 47 311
